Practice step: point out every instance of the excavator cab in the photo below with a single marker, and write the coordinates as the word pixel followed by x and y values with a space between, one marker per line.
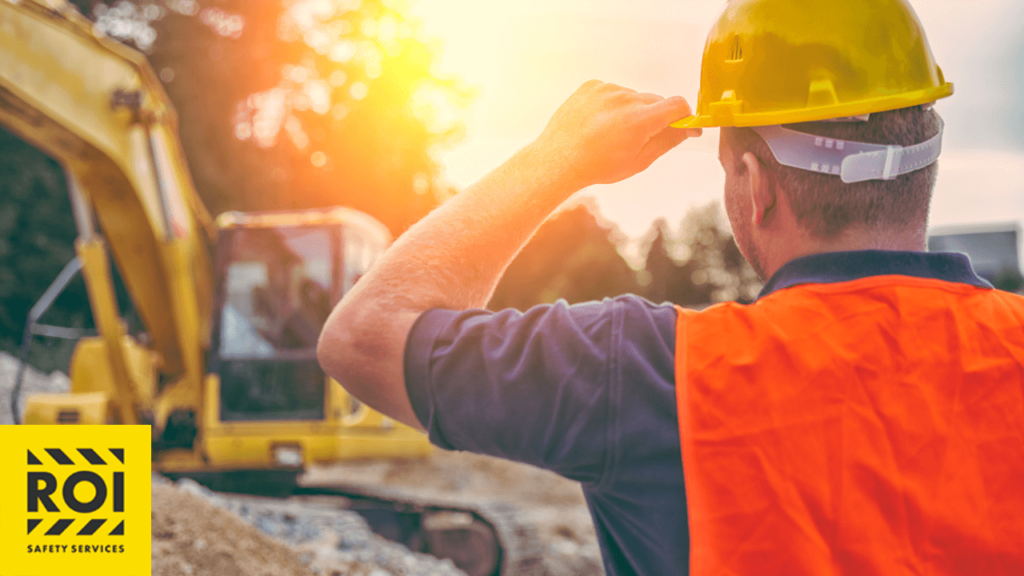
pixel 268 404
pixel 278 276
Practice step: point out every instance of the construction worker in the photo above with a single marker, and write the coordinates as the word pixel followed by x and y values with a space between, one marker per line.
pixel 864 416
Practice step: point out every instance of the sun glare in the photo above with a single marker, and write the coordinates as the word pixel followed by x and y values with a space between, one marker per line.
pixel 525 57
pixel 354 45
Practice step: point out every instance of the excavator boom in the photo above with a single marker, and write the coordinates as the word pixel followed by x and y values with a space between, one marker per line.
pixel 97 108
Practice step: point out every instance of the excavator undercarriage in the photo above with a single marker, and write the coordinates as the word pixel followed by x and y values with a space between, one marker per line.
pixel 481 537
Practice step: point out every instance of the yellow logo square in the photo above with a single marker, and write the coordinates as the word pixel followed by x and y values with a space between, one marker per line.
pixel 75 500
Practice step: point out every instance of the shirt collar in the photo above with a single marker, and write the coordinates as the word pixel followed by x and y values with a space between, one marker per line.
pixel 833 267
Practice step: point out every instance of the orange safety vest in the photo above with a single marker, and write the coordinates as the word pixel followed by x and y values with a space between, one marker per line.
pixel 873 426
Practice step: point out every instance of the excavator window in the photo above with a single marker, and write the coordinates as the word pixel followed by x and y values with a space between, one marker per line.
pixel 276 286
pixel 276 290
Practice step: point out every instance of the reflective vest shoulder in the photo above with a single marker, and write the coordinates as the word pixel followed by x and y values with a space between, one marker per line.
pixel 867 427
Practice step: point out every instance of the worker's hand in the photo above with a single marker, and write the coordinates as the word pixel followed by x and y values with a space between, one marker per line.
pixel 606 133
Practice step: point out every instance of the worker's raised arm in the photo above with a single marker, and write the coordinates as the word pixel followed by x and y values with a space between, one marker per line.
pixel 455 256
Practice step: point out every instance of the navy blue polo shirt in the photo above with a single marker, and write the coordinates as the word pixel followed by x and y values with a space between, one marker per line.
pixel 588 391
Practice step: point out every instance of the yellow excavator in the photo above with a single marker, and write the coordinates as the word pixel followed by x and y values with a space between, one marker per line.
pixel 225 371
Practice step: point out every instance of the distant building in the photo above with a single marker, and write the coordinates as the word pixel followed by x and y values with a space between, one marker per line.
pixel 993 249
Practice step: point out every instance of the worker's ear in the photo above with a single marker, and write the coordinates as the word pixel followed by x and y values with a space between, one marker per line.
pixel 762 193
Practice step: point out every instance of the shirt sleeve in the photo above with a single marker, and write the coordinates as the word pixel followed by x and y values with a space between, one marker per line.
pixel 530 386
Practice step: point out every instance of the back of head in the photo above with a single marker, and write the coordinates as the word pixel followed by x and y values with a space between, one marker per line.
pixel 823 204
pixel 800 63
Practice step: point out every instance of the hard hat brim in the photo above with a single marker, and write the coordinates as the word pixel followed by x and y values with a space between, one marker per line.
pixel 726 117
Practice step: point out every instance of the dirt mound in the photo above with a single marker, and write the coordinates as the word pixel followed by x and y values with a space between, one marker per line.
pixel 192 537
pixel 552 503
pixel 218 534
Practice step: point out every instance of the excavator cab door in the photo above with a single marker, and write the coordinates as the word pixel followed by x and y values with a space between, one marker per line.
pixel 267 403
pixel 277 286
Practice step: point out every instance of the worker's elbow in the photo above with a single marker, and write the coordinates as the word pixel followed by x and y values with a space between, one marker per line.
pixel 333 348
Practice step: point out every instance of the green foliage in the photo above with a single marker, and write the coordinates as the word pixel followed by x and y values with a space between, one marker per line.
pixel 573 257
pixel 701 266
pixel 300 104
pixel 37 235
pixel 1009 280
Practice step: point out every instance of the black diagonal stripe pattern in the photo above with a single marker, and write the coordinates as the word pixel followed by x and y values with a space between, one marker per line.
pixel 32 460
pixel 118 453
pixel 59 527
pixel 91 455
pixel 59 456
pixel 32 523
pixel 118 530
pixel 91 528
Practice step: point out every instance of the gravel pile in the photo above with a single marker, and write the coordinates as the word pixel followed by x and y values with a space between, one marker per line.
pixel 193 537
pixel 34 381
pixel 553 504
pixel 328 540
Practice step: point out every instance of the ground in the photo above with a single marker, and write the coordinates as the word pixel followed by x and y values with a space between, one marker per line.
pixel 554 505
pixel 200 533
pixel 192 537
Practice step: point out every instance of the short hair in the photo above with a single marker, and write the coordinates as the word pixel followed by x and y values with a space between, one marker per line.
pixel 826 206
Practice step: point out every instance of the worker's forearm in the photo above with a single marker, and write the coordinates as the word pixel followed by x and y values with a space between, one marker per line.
pixel 451 259
pixel 455 256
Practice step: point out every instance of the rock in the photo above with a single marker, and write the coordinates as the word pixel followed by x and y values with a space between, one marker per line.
pixel 34 381
pixel 194 537
pixel 320 541
pixel 553 504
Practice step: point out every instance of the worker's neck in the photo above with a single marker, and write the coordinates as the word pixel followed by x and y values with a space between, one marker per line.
pixel 855 238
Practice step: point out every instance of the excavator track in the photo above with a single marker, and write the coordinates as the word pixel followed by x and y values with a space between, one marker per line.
pixel 481 537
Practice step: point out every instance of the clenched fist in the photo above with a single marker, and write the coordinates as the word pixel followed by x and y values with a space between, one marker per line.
pixel 606 133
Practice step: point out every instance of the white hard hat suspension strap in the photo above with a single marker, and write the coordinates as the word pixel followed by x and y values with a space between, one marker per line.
pixel 887 172
pixel 851 161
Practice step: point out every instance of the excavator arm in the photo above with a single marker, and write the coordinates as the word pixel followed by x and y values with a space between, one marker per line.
pixel 98 109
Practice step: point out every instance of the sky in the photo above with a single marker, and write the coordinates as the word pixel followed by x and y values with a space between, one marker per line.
pixel 525 57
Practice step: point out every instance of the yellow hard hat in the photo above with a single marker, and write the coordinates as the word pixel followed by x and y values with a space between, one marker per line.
pixel 770 62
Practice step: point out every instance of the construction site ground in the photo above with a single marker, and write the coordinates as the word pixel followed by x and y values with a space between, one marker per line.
pixel 200 533
pixel 553 504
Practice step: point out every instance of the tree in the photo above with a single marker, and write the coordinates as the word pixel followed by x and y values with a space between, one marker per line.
pixel 572 256
pixel 280 105
pixel 1009 280
pixel 37 234
pixel 664 278
pixel 301 103
pixel 701 266
pixel 36 237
